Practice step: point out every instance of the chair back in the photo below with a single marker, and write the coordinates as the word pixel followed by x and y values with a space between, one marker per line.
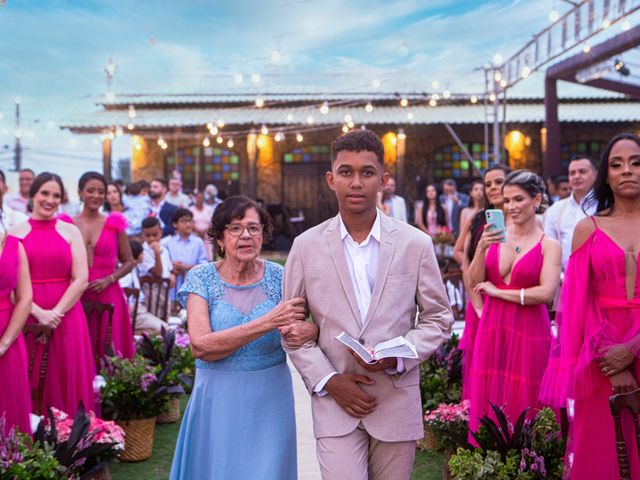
pixel 41 334
pixel 100 322
pixel 133 294
pixel 156 295
pixel 618 403
pixel 454 285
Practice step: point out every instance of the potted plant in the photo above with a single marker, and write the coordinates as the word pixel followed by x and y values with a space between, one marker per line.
pixel 450 426
pixel 529 450
pixel 443 242
pixel 170 350
pixel 134 394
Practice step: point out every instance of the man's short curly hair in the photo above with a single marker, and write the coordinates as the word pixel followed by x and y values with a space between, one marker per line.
pixel 235 208
pixel 358 141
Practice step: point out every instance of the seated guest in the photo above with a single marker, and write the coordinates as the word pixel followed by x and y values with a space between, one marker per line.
pixel 144 320
pixel 185 249
pixel 137 208
pixel 157 261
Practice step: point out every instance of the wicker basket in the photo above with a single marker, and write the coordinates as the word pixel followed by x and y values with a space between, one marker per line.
pixel 172 415
pixel 138 443
pixel 430 441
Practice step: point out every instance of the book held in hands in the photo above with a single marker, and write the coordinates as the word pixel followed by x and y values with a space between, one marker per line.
pixel 396 347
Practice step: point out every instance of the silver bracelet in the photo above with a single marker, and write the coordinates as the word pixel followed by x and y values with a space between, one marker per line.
pixel 522 296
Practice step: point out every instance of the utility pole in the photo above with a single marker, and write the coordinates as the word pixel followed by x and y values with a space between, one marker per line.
pixel 17 152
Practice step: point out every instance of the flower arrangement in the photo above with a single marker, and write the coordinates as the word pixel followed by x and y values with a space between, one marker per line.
pixel 100 431
pixel 529 450
pixel 444 237
pixel 135 390
pixel 170 346
pixel 450 424
pixel 441 376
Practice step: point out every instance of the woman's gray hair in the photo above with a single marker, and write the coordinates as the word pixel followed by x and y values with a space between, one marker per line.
pixel 530 183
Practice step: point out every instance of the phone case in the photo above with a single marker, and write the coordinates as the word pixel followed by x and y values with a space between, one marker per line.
pixel 496 219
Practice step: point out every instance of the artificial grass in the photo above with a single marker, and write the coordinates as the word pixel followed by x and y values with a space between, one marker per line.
pixel 427 464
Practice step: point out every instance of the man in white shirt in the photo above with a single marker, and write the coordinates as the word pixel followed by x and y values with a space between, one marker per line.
pixel 20 201
pixel 157 261
pixel 394 205
pixel 562 217
pixel 367 275
pixel 8 216
pixel 175 196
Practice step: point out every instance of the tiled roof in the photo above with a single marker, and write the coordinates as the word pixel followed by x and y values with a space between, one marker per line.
pixel 576 111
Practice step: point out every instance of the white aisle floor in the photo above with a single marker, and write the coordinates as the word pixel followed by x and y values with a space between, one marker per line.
pixel 307 463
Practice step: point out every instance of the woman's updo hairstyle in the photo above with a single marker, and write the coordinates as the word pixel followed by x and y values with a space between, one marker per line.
pixel 530 183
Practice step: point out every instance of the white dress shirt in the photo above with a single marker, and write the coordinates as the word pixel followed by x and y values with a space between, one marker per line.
pixel 10 217
pixel 362 261
pixel 149 261
pixel 561 218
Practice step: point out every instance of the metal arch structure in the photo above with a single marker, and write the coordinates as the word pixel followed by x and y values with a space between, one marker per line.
pixel 568 70
pixel 585 20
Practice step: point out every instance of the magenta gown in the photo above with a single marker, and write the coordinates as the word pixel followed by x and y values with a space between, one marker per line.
pixel 105 261
pixel 511 348
pixel 466 344
pixel 71 367
pixel 15 402
pixel 596 314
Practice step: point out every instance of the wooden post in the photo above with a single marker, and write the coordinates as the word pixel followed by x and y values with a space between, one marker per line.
pixel 551 161
pixel 106 158
pixel 252 157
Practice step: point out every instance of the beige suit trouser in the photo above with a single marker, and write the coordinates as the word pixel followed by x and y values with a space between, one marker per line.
pixel 358 456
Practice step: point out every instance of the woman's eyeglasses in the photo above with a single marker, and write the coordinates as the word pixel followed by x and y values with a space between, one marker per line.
pixel 236 229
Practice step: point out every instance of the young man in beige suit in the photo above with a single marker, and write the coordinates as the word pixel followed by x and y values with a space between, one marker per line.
pixel 368 275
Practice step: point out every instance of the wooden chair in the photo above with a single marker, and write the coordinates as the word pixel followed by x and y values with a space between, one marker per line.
pixel 458 299
pixel 618 403
pixel 41 334
pixel 100 320
pixel 156 295
pixel 133 294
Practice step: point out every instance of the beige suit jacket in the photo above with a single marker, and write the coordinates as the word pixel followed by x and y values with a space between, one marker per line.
pixel 408 282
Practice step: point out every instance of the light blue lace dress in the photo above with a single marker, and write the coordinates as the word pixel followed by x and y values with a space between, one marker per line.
pixel 240 420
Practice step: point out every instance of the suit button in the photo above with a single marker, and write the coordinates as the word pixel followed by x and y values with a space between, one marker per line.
pixel 361 340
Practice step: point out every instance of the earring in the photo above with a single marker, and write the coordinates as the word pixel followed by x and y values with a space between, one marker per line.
pixel 221 251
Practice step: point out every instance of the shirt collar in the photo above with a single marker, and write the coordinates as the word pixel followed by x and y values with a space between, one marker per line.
pixel 375 229
pixel 579 204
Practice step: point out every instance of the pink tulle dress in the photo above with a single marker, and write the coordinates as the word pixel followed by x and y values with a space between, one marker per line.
pixel 511 348
pixel 71 368
pixel 596 315
pixel 105 261
pixel 15 398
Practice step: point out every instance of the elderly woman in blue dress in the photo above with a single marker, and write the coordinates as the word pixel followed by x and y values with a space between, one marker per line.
pixel 239 423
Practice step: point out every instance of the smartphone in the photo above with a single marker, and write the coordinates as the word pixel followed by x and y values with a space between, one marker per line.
pixel 495 218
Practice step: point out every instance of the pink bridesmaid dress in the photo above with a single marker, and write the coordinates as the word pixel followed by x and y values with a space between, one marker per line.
pixel 71 367
pixel 105 261
pixel 15 402
pixel 511 348
pixel 466 344
pixel 596 315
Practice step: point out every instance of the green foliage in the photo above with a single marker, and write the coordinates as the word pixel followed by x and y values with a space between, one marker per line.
pixel 441 376
pixel 171 345
pixel 134 389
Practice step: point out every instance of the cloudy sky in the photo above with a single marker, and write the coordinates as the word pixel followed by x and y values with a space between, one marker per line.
pixel 53 54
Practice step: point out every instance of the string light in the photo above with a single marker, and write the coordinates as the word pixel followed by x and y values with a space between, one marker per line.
pixel 474 99
pixel 368 107
pixel 310 119
pixel 219 139
pixel 586 48
pixel 554 16
pixel 206 142
pixel 264 130
pixel 160 141
pixel 525 72
pixel 497 59
pixel 210 126
pixel 433 102
pixel 410 116
pixel 345 129
pixel 130 126
pixel 220 123
pixel 230 143
pixel 132 111
pixel 497 76
pixel 324 109
pixel 492 97
pixel 259 102
pixel 299 137
pixel 289 117
pixel 278 137
pixel 351 124
pixel 503 83
pixel 348 118
pixel 164 146
pixel 404 102
pixel 446 94
pixel 213 130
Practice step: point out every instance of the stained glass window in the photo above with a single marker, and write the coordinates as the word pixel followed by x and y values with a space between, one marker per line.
pixel 309 154
pixel 570 151
pixel 450 162
pixel 218 165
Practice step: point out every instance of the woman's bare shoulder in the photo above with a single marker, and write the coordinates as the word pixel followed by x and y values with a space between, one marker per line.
pixel 584 229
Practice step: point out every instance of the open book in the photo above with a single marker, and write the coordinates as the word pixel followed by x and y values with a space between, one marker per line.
pixel 396 347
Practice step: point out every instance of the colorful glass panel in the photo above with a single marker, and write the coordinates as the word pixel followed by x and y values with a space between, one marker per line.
pixel 450 161
pixel 569 151
pixel 214 165
pixel 309 154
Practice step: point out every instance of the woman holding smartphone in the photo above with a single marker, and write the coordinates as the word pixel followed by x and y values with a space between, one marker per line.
pixel 518 271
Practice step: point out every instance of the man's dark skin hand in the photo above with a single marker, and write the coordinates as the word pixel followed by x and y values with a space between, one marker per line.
pixel 379 366
pixel 345 390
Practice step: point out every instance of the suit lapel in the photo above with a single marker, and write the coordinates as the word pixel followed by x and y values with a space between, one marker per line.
pixel 332 236
pixel 387 248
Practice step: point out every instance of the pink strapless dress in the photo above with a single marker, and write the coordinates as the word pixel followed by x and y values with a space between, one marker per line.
pixel 105 261
pixel 71 367
pixel 15 398
pixel 596 315
pixel 511 347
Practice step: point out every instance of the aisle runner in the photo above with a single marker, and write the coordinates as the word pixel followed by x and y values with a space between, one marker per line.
pixel 307 463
